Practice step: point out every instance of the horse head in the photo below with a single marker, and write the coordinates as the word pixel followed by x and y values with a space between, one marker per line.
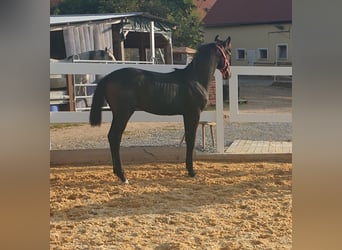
pixel 224 52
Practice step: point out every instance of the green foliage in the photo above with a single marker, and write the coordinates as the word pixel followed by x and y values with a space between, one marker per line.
pixel 76 7
pixel 182 12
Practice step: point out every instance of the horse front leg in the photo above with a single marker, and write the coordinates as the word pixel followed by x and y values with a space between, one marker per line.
pixel 114 137
pixel 190 127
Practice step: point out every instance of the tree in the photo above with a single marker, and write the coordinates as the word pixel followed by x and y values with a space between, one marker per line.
pixel 182 12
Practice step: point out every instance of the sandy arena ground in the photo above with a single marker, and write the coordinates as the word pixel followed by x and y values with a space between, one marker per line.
pixel 226 206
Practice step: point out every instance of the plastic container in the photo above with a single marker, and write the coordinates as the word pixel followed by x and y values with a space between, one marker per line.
pixel 53 108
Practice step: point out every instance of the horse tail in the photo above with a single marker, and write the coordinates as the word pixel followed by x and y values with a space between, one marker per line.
pixel 96 105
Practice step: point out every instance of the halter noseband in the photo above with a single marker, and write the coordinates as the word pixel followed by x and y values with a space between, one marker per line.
pixel 226 62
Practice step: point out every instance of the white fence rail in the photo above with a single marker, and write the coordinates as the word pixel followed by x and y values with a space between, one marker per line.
pixel 140 116
pixel 234 114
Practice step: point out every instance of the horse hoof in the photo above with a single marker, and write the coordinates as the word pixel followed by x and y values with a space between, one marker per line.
pixel 124 182
pixel 192 174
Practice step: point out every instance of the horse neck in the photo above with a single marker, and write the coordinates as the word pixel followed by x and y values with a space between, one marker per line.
pixel 202 71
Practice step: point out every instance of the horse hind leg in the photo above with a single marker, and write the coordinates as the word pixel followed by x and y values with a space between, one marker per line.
pixel 190 127
pixel 114 137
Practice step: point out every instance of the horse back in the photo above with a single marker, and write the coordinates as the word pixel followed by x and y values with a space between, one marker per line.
pixel 157 93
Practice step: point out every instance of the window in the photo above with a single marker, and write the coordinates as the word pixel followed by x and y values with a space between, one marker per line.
pixel 262 54
pixel 281 51
pixel 240 54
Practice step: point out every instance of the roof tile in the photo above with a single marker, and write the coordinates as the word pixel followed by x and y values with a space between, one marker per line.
pixel 240 12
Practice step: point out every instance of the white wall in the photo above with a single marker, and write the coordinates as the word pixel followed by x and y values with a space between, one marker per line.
pixel 252 37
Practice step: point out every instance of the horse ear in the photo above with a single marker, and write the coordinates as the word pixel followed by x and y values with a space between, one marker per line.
pixel 227 43
pixel 216 38
pixel 106 49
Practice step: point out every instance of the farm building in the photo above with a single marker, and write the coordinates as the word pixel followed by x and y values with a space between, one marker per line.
pixel 203 7
pixel 127 34
pixel 260 30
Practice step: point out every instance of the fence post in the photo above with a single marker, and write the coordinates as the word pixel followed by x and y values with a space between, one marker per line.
pixel 233 96
pixel 70 88
pixel 219 113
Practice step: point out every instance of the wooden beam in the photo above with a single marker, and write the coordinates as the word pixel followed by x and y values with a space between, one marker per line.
pixel 118 48
pixel 70 89
pixel 168 54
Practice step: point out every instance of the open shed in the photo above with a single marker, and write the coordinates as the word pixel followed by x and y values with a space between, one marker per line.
pixel 128 35
pixel 132 37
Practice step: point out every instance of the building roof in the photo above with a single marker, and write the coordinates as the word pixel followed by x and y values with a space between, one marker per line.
pixel 62 20
pixel 203 6
pixel 245 12
pixel 68 19
pixel 54 2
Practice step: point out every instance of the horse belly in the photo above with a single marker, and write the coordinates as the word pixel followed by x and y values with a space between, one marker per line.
pixel 161 107
pixel 165 102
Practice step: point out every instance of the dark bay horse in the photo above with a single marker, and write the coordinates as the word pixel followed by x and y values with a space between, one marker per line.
pixel 181 92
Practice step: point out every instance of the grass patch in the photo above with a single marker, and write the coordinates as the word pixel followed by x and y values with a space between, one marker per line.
pixel 128 132
pixel 171 128
pixel 64 125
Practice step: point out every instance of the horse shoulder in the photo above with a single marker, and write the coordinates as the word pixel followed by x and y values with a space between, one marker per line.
pixel 197 94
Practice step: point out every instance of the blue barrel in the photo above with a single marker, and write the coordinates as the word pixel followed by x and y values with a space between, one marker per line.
pixel 53 108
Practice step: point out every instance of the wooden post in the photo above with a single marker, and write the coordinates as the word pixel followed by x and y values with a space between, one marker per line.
pixel 142 48
pixel 168 54
pixel 219 113
pixel 70 89
pixel 118 44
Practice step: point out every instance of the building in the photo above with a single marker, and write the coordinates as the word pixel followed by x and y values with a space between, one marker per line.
pixel 260 30
pixel 127 34
pixel 203 7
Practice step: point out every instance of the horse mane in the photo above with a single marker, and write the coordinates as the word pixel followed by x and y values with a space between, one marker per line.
pixel 202 54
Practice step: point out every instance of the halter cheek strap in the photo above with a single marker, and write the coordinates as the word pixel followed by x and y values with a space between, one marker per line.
pixel 226 62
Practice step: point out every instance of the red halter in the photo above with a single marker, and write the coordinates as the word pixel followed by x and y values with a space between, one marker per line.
pixel 226 61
